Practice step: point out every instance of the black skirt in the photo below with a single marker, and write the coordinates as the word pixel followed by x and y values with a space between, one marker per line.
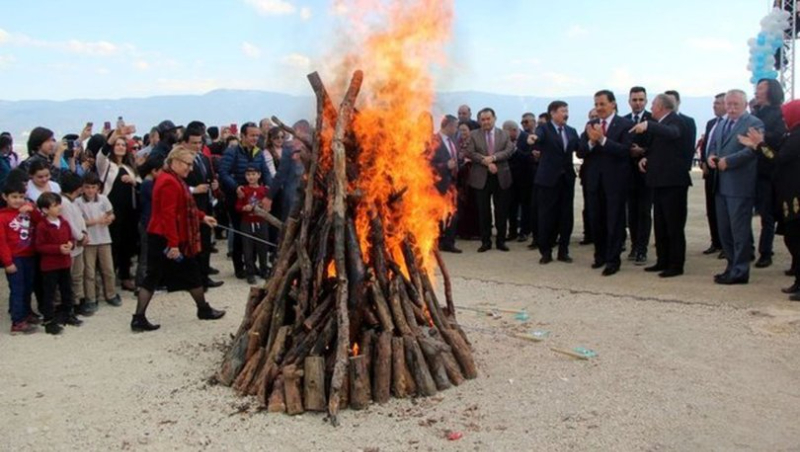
pixel 183 275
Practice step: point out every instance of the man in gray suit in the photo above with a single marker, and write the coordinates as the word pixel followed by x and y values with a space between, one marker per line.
pixel 737 169
pixel 489 148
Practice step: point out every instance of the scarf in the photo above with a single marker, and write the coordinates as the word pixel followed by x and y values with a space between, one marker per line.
pixel 193 245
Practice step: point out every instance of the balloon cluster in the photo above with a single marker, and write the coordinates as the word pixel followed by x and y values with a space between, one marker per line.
pixel 764 46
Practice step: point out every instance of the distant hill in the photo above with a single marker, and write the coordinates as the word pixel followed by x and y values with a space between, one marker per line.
pixel 229 106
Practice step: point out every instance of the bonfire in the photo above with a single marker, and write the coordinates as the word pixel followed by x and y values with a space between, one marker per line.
pixel 350 314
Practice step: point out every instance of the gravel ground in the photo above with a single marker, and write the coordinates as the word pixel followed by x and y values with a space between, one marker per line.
pixel 681 365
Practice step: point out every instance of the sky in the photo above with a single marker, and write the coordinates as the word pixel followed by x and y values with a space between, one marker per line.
pixel 56 50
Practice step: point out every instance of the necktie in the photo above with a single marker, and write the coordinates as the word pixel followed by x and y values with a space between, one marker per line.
pixel 453 154
pixel 636 118
pixel 563 136
pixel 198 163
pixel 604 127
pixel 490 142
pixel 727 130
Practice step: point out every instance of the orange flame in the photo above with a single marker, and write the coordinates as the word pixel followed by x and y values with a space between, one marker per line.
pixel 355 349
pixel 398 44
pixel 330 272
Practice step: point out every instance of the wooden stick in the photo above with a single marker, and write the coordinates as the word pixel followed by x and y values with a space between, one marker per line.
pixel 340 190
pixel 462 353
pixel 448 286
pixel 291 389
pixel 360 392
pixel 382 366
pixel 276 403
pixel 569 353
pixel 418 367
pixel 397 310
pixel 260 384
pixel 270 219
pixel 314 383
pixel 319 314
pixel 399 369
pixel 384 314
pixel 433 356
pixel 290 130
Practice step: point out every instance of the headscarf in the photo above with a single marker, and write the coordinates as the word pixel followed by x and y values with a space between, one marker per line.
pixel 791 114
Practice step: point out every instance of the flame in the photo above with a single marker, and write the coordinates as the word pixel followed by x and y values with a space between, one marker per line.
pixel 397 44
pixel 355 349
pixel 330 272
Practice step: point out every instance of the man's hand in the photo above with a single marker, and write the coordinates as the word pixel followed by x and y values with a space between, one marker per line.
pixel 452 164
pixel 493 168
pixel 753 138
pixel 266 204
pixel 594 132
pixel 239 192
pixel 537 154
pixel 704 168
pixel 173 253
pixel 643 165
pixel 201 189
pixel 712 161
pixel 722 164
pixel 488 160
pixel 532 139
pixel 637 151
pixel 11 269
pixel 215 185
pixel 210 221
pixel 86 133
pixel 84 240
pixel 247 208
pixel 639 128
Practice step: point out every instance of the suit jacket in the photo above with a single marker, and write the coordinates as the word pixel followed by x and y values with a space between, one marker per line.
pixel 201 174
pixel 666 156
pixel 708 138
pixel 477 149
pixel 555 161
pixel 643 140
pixel 525 169
pixel 608 164
pixel 688 136
pixel 439 160
pixel 739 179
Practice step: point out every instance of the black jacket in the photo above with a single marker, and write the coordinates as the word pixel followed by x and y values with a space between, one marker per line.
pixel 608 164
pixel 774 130
pixel 555 161
pixel 666 157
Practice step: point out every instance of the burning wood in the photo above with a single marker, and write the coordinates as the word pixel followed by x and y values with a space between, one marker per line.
pixel 350 314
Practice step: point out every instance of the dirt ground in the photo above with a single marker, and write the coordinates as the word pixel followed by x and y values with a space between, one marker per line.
pixel 682 364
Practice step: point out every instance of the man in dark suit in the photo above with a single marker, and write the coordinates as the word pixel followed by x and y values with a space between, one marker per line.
pixel 201 183
pixel 689 132
pixel 445 163
pixel 519 194
pixel 640 196
pixel 605 148
pixel 668 177
pixel 737 167
pixel 489 149
pixel 525 176
pixel 555 143
pixel 710 174
pixel 465 115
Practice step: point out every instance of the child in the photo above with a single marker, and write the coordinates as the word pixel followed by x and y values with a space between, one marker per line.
pixel 98 214
pixel 54 243
pixel 255 194
pixel 71 188
pixel 152 168
pixel 40 182
pixel 17 224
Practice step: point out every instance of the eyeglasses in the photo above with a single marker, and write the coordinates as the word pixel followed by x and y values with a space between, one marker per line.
pixel 190 164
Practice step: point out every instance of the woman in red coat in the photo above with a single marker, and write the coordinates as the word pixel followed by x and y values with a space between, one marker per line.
pixel 173 241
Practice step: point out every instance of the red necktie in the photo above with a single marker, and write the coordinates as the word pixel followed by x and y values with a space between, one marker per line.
pixel 604 127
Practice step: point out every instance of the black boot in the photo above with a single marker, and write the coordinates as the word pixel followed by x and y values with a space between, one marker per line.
pixel 139 323
pixel 206 312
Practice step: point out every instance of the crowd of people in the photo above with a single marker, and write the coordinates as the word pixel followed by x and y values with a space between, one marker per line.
pixel 77 211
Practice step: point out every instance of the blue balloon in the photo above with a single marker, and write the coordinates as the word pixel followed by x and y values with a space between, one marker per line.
pixel 761 40
pixel 754 80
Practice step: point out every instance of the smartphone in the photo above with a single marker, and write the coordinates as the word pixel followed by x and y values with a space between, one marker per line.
pixel 107 125
pixel 234 129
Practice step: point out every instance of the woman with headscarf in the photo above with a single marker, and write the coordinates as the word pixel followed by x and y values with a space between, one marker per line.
pixel 467 203
pixel 173 241
pixel 786 183
pixel 115 166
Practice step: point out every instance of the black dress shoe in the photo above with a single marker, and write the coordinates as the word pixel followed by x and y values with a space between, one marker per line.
pixel 502 246
pixel 655 268
pixel 794 297
pixel 670 273
pixel 564 258
pixel 794 288
pixel 789 272
pixel 213 271
pixel 522 238
pixel 721 255
pixel 610 269
pixel 208 313
pixel 598 264
pixel 722 275
pixel 711 250
pixel 632 255
pixel 239 274
pixel 764 261
pixel 451 249
pixel 585 241
pixel 546 259
pixel 485 247
pixel 533 245
pixel 212 284
pixel 641 259
pixel 139 323
pixel 728 281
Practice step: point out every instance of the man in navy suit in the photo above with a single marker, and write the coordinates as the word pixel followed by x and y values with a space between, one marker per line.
pixel 605 147
pixel 710 175
pixel 668 176
pixel 689 132
pixel 445 163
pixel 555 144
pixel 489 149
pixel 640 197
pixel 528 217
pixel 737 170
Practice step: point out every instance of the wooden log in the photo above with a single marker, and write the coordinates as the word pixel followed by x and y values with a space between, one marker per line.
pixel 319 315
pixel 399 369
pixel 452 368
pixel 367 348
pixel 254 298
pixel 448 285
pixel 276 403
pixel 233 362
pixel 290 130
pixel 340 190
pixel 381 307
pixel 395 305
pixel 249 371
pixel 433 356
pixel 379 251
pixel 291 389
pixel 260 385
pixel 382 369
pixel 415 361
pixel 412 268
pixel 268 217
pixel 328 109
pixel 356 278
pixel 360 392
pixel 253 344
pixel 433 302
pixel 370 318
pixel 314 383
pixel 326 337
pixel 279 313
pixel 462 353
pixel 408 309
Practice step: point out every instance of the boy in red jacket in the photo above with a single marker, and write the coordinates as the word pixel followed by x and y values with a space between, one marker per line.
pixel 17 254
pixel 54 244
pixel 255 195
